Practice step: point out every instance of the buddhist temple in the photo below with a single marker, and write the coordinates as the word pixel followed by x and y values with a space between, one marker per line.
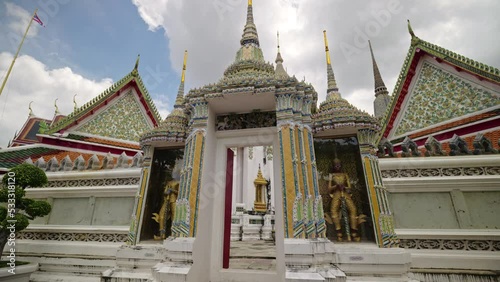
pixel 251 178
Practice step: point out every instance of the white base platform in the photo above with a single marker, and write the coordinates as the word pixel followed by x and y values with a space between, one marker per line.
pixel 367 259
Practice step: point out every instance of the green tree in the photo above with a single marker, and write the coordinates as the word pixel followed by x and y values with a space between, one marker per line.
pixel 18 210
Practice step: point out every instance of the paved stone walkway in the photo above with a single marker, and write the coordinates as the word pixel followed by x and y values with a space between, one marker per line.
pixel 253 255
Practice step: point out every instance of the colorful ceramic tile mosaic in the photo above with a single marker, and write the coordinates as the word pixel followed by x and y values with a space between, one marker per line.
pixel 123 120
pixel 440 96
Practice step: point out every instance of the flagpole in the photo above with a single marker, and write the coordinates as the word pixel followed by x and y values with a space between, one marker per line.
pixel 17 53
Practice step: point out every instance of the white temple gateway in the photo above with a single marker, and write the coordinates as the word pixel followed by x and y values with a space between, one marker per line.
pixel 248 180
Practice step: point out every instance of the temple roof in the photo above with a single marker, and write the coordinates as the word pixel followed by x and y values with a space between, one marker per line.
pixel 27 134
pixel 113 95
pixel 51 158
pixel 42 155
pixel 437 87
pixel 9 158
pixel 102 141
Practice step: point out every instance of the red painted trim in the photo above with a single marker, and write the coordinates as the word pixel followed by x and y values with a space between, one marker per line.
pixel 72 145
pixel 460 132
pixel 403 93
pixel 227 209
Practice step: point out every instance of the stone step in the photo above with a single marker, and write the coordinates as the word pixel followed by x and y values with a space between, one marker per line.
pixel 330 275
pixel 379 279
pixel 61 277
pixel 127 275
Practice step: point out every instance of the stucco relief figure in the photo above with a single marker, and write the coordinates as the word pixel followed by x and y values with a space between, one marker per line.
pixel 343 212
pixel 167 210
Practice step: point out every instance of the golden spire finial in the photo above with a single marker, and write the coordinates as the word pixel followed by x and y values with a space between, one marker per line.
pixel 31 110
pixel 332 83
pixel 74 102
pixel 249 2
pixel 57 108
pixel 184 66
pixel 328 60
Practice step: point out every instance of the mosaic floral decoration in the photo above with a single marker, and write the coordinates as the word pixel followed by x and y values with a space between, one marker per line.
pixel 439 96
pixel 123 120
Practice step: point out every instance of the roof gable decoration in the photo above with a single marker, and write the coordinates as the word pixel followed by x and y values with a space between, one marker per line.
pixel 438 96
pixel 123 119
pixel 417 49
pixel 131 79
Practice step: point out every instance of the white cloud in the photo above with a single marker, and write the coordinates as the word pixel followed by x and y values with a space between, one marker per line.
pixel 211 30
pixel 151 11
pixel 31 80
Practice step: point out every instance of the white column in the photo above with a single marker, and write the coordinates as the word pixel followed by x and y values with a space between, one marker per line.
pixel 241 167
pixel 244 186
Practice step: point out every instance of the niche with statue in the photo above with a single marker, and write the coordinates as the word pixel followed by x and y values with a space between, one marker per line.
pixel 162 193
pixel 343 189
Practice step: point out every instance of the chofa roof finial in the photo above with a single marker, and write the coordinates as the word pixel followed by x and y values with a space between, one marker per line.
pixel 75 106
pixel 31 110
pixel 410 30
pixel 57 108
pixel 136 67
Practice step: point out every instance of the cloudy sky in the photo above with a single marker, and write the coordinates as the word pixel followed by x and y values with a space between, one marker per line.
pixel 87 45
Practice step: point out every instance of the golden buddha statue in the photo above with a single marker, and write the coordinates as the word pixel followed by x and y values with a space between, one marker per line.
pixel 167 210
pixel 343 211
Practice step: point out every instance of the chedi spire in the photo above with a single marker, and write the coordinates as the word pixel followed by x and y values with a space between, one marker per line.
pixel 379 82
pixel 332 90
pixel 179 101
pixel 280 70
pixel 382 95
pixel 250 35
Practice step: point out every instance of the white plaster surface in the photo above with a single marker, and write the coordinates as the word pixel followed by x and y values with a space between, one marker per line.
pixel 22 273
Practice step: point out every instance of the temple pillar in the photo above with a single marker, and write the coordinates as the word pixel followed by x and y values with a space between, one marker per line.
pixel 293 204
pixel 312 173
pixel 186 210
pixel 377 193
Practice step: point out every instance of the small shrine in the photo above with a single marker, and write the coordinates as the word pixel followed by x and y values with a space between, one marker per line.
pixel 260 204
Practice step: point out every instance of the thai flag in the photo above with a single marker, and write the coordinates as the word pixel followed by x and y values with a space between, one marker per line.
pixel 38 20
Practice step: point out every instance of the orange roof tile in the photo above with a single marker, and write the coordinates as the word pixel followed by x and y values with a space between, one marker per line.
pixel 112 143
